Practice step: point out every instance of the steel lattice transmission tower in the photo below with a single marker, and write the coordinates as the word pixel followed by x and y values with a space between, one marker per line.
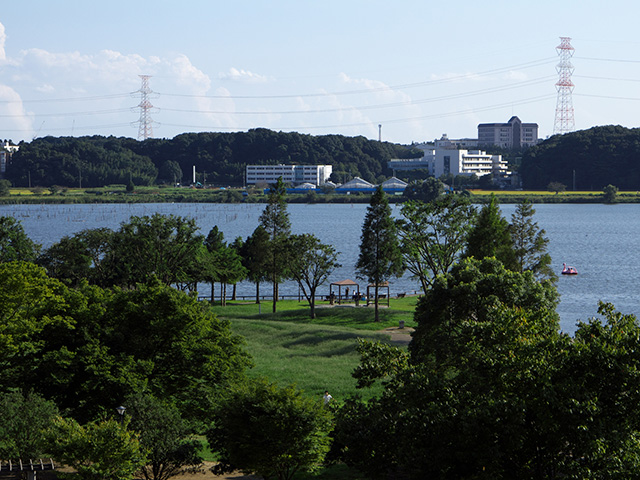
pixel 145 123
pixel 565 121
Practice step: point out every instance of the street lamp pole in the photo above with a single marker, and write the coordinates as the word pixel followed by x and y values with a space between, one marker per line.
pixel 121 411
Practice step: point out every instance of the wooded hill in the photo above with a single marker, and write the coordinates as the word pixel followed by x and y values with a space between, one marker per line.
pixel 599 156
pixel 219 158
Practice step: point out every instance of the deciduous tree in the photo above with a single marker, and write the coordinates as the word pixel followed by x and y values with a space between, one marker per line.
pixel 15 245
pixel 101 450
pixel 164 246
pixel 255 257
pixel 310 263
pixel 26 419
pixel 164 435
pixel 434 235
pixel 270 431
pixel 610 194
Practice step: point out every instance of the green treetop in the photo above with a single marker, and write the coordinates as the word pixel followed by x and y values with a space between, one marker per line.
pixel 275 220
pixel 380 255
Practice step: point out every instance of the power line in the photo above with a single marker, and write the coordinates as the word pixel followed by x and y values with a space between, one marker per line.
pixel 397 120
pixel 371 107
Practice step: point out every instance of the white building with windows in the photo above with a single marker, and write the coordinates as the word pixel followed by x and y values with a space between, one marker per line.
pixel 513 134
pixel 468 162
pixel 291 174
pixel 6 151
pixel 459 157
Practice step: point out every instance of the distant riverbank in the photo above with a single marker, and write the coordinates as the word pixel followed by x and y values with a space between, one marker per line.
pixel 118 194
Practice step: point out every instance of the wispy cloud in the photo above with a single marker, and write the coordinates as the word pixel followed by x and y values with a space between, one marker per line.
pixel 244 76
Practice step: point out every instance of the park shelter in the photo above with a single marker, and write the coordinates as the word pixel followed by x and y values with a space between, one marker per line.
pixel 381 286
pixel 344 284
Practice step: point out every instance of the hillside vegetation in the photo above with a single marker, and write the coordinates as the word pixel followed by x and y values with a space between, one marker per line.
pixel 597 157
pixel 219 158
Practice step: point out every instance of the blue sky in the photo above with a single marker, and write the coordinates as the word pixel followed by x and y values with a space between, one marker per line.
pixel 417 68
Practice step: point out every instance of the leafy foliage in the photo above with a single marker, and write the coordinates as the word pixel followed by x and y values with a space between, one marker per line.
pixel 163 246
pixel 101 450
pixel 25 422
pixel 610 193
pixel 87 349
pixel 490 236
pixel 269 430
pixel 310 263
pixel 598 156
pixel 15 245
pixel 529 243
pixel 380 257
pixel 426 190
pixel 469 295
pixel 96 161
pixel 275 221
pixel 434 235
pixel 164 435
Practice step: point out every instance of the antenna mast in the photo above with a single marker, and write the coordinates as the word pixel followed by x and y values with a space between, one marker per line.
pixel 565 121
pixel 145 123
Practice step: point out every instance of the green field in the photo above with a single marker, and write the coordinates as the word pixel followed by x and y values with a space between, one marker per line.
pixel 316 355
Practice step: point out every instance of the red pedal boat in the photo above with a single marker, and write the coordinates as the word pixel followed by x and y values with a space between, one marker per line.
pixel 567 270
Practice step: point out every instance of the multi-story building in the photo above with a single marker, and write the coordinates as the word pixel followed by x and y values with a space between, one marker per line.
pixel 292 174
pixel 6 151
pixel 468 162
pixel 513 134
pixel 445 156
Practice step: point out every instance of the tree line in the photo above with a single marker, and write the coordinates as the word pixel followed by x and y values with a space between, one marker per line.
pixel 219 158
pixel 489 388
pixel 589 159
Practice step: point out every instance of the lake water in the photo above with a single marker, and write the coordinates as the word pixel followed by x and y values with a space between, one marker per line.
pixel 599 240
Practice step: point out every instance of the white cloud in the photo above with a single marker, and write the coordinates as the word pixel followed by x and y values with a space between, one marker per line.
pixel 46 88
pixel 245 76
pixel 514 75
pixel 13 118
pixel 3 39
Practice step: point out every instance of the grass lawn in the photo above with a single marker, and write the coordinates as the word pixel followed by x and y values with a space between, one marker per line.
pixel 288 347
pixel 316 355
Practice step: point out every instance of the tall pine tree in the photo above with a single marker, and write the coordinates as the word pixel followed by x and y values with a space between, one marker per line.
pixel 490 236
pixel 275 220
pixel 529 243
pixel 380 255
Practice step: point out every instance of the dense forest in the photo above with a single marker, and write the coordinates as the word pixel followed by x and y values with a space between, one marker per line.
pixel 595 158
pixel 219 158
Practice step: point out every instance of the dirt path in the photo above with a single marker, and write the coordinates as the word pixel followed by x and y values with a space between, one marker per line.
pixel 205 474
pixel 400 337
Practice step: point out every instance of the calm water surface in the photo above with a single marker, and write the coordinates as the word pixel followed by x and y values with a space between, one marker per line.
pixel 599 240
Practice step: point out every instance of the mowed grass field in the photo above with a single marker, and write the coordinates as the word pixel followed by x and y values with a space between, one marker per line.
pixel 288 347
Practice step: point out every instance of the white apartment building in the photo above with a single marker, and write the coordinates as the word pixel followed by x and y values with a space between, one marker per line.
pixel 291 174
pixel 513 134
pixel 468 162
